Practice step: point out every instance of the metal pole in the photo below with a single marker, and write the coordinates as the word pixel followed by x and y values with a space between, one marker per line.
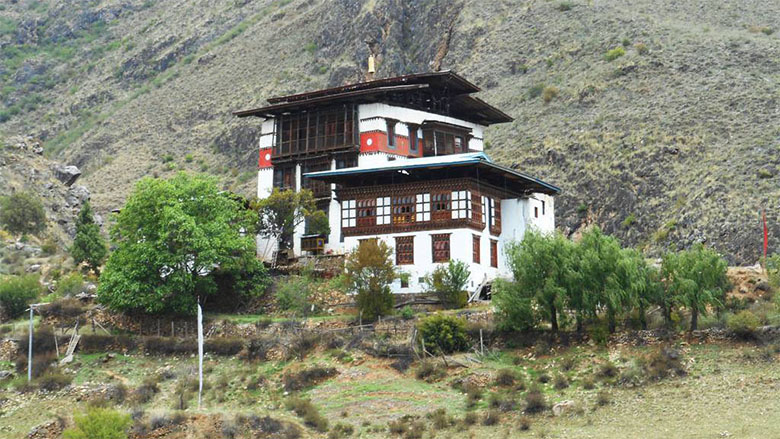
pixel 29 348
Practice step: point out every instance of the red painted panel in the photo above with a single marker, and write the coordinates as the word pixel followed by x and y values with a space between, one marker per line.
pixel 378 143
pixel 264 158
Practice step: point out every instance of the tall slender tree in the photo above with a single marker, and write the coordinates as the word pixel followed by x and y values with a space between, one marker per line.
pixel 89 246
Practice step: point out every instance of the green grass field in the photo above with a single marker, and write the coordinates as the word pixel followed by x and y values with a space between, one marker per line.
pixel 730 391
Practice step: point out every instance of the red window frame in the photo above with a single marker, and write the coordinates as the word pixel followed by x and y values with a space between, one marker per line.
pixel 404 250
pixel 475 248
pixel 440 247
pixel 494 253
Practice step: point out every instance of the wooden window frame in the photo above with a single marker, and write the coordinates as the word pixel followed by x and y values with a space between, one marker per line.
pixel 404 250
pixel 348 214
pixel 461 204
pixel 441 205
pixel 494 253
pixel 423 207
pixel 442 254
pixel 536 211
pixel 476 248
pixel 366 212
pixel 391 124
pixel 383 211
pixel 403 209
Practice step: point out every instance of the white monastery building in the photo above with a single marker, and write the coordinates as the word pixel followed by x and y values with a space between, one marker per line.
pixel 401 159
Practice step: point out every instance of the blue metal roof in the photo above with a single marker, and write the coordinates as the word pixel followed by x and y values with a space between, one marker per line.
pixel 454 160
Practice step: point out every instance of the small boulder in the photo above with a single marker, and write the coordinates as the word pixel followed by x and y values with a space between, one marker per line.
pixel 66 174
pixel 563 407
pixel 34 268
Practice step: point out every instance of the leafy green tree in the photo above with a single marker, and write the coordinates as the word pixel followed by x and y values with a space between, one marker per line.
pixel 99 423
pixel 89 245
pixel 370 271
pixel 22 212
pixel 449 283
pixel 608 280
pixel 284 210
pixel 542 267
pixel 514 305
pixel 695 279
pixel 16 292
pixel 174 237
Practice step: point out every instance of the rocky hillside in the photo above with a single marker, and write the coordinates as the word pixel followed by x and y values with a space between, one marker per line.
pixel 671 138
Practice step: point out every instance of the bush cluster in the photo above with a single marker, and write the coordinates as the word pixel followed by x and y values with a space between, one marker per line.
pixel 442 333
pixel 295 381
pixel 449 282
pixel 308 412
pixel 16 292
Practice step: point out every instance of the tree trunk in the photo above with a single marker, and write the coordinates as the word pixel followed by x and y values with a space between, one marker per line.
pixel 667 315
pixel 553 318
pixel 642 316
pixel 579 323
pixel 611 320
pixel 694 318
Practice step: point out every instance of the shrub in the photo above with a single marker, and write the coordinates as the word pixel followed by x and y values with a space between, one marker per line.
pixel 257 349
pixel 189 158
pixel 407 313
pixel 116 393
pixel 443 333
pixel 16 292
pixel 564 6
pixel 308 412
pixel 169 346
pixel 534 401
pixel 370 271
pixel 449 284
pixel 22 212
pixel 536 90
pixel 525 423
pixel 588 383
pixel 146 391
pixel 293 294
pixel 65 308
pixel 92 343
pixel 603 398
pixel 663 362
pixel 506 377
pixel 568 363
pixel 641 48
pixel 470 418
pixel 225 347
pixel 615 53
pixel 99 423
pixel 560 381
pixel 429 371
pixel 543 378
pixel 341 430
pixel 492 417
pixel 52 381
pixel 743 324
pixel 549 93
pixel 307 378
pixel 440 419
pixel 89 245
pixel 607 370
pixel 473 395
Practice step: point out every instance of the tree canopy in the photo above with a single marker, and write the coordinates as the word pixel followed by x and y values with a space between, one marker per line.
pixel 89 245
pixel 284 210
pixel 22 212
pixel 178 240
pixel 370 271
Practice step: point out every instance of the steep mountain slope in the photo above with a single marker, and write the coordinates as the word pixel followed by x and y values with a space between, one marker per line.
pixel 674 142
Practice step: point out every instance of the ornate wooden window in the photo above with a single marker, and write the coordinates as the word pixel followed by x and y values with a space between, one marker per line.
pixel 413 139
pixel 495 216
pixel 485 209
pixel 494 253
pixel 441 205
pixel 284 177
pixel 366 212
pixel 461 204
pixel 382 210
pixel 475 251
pixel 441 247
pixel 403 209
pixel 348 213
pixel 476 208
pixel 313 131
pixel 404 250
pixel 391 132
pixel 423 207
